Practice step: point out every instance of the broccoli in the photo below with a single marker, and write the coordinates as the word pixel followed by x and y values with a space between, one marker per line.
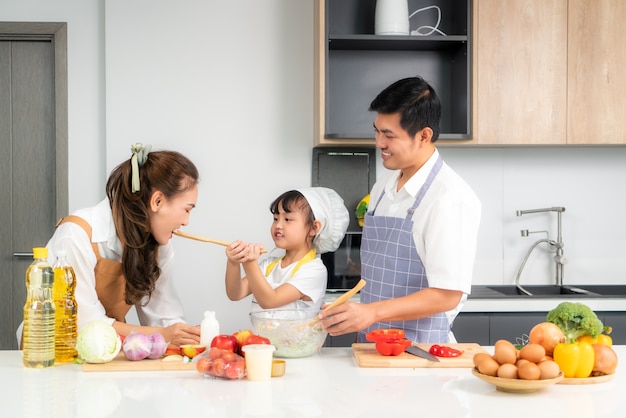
pixel 575 320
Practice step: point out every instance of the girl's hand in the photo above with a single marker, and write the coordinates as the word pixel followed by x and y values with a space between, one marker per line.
pixel 254 252
pixel 237 251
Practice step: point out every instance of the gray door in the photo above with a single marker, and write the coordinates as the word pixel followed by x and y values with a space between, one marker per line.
pixel 33 179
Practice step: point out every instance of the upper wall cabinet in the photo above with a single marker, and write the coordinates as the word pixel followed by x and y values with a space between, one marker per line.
pixel 596 72
pixel 521 62
pixel 549 72
pixel 353 65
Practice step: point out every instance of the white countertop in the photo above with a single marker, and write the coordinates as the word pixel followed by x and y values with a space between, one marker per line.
pixel 329 384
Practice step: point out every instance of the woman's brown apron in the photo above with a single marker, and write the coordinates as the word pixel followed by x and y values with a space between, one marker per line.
pixel 110 281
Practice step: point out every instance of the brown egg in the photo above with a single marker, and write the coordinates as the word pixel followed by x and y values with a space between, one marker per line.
pixel 507 371
pixel 479 357
pixel 488 366
pixel 520 361
pixel 504 352
pixel 529 371
pixel 532 352
pixel 549 369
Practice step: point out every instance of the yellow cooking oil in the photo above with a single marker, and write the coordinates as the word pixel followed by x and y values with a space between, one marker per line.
pixel 39 312
pixel 66 328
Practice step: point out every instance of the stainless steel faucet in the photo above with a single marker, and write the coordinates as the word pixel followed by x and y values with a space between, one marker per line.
pixel 559 258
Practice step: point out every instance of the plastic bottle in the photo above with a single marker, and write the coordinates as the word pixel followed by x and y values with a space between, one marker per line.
pixel 66 327
pixel 39 312
pixel 209 328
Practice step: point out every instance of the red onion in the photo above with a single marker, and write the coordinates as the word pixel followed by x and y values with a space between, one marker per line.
pixel 137 346
pixel 159 346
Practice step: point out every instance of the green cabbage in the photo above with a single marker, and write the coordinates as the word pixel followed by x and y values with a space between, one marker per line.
pixel 98 342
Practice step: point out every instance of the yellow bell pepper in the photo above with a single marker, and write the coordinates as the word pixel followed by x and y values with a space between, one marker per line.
pixel 575 359
pixel 600 339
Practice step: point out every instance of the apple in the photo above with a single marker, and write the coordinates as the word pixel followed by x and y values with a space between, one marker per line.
pixel 192 350
pixel 225 342
pixel 257 339
pixel 173 350
pixel 242 337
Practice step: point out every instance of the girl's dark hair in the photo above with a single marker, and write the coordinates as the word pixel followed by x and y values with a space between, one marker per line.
pixel 415 100
pixel 167 171
pixel 293 201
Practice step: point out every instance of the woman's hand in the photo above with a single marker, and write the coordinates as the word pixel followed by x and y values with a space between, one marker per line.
pixel 181 334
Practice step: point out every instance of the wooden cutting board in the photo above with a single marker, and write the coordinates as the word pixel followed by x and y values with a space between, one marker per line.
pixel 367 356
pixel 122 364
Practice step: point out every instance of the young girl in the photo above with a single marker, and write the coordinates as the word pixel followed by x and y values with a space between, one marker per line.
pixel 120 249
pixel 307 222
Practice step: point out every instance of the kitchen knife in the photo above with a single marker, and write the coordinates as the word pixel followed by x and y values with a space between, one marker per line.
pixel 416 351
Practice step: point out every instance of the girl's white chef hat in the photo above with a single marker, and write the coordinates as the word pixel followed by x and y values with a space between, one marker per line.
pixel 329 209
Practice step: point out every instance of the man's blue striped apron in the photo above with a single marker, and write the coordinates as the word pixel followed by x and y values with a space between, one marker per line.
pixel 392 268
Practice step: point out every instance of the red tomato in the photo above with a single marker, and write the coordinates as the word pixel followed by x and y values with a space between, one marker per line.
pixel 390 334
pixel 444 351
pixel 234 370
pixel 228 356
pixel 204 365
pixel 392 347
pixel 215 352
pixel 225 342
pixel 257 339
pixel 219 367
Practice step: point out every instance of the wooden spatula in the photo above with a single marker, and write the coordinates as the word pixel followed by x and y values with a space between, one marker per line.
pixel 203 239
pixel 341 299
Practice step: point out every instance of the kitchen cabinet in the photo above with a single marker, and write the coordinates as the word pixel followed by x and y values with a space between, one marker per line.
pixel 489 327
pixel 596 79
pixel 548 72
pixel 352 65
pixel 520 71
pixel 345 340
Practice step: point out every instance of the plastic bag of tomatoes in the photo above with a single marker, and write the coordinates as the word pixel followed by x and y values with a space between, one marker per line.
pixel 220 364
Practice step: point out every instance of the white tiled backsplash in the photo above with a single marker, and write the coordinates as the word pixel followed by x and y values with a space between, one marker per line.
pixel 590 182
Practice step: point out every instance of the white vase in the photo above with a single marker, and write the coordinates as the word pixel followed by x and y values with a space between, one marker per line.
pixel 392 17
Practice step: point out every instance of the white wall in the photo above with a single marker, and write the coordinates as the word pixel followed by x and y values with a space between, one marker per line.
pixel 231 86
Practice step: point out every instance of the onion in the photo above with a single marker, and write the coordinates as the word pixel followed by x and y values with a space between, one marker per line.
pixel 137 346
pixel 159 346
pixel 547 335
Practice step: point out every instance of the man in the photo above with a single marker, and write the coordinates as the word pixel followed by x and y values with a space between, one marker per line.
pixel 420 232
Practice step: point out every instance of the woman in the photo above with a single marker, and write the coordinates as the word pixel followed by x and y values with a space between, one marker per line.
pixel 120 248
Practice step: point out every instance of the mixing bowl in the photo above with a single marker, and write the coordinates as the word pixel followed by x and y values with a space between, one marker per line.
pixel 291 331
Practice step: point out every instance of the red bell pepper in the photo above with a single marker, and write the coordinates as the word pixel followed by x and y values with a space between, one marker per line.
pixel 444 351
pixel 392 347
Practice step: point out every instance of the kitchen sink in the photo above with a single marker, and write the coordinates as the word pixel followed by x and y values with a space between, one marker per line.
pixel 540 290
pixel 568 291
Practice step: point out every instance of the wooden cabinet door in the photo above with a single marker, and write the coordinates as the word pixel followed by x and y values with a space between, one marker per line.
pixel 520 90
pixel 596 72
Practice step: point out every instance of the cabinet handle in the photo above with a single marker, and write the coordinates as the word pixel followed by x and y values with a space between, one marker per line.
pixel 23 255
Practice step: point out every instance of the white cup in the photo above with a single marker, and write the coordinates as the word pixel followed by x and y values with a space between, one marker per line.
pixel 391 17
pixel 259 361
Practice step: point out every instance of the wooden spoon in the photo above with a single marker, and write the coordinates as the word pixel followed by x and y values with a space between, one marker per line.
pixel 341 299
pixel 203 239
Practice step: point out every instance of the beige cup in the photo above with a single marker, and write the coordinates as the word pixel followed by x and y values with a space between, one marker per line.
pixel 258 361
